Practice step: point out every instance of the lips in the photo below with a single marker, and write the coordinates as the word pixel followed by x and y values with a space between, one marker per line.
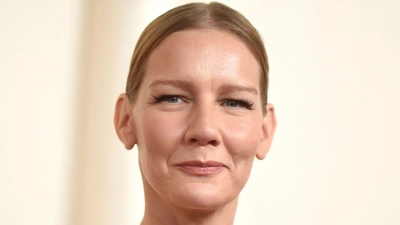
pixel 200 168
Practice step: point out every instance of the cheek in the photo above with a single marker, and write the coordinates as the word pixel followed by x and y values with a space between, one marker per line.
pixel 242 141
pixel 243 137
pixel 158 138
pixel 162 130
pixel 155 129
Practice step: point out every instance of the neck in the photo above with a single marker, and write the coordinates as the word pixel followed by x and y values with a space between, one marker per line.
pixel 158 211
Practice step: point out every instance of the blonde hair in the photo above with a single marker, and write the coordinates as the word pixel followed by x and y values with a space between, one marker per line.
pixel 195 16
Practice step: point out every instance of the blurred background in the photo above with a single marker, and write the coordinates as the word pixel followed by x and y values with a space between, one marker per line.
pixel 334 80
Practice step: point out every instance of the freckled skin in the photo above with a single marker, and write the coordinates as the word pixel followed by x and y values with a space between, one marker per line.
pixel 199 124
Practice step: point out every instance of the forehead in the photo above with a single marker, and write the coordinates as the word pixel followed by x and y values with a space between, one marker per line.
pixel 209 54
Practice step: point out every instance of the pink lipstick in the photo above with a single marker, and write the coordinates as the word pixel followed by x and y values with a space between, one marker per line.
pixel 201 168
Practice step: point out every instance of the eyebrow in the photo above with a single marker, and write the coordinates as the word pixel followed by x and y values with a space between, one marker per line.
pixel 225 88
pixel 182 84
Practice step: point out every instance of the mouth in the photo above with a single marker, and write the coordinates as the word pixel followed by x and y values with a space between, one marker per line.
pixel 200 168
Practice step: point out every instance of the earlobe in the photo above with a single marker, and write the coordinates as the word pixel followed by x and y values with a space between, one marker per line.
pixel 123 122
pixel 268 127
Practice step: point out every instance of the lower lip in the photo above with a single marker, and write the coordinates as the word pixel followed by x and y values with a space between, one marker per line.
pixel 202 170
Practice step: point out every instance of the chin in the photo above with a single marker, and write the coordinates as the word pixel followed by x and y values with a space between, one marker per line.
pixel 202 196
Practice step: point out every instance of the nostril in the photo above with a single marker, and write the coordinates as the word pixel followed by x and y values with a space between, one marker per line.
pixel 199 142
pixel 193 140
pixel 213 142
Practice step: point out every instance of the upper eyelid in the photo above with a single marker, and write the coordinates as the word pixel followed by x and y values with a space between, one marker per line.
pixel 238 99
pixel 169 90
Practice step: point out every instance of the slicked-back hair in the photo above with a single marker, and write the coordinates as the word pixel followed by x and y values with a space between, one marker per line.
pixel 196 16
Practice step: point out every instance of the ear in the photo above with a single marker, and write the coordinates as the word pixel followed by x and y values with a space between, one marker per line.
pixel 268 127
pixel 124 123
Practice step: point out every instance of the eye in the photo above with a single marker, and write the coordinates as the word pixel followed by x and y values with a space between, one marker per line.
pixel 232 103
pixel 172 99
pixel 168 98
pixel 237 103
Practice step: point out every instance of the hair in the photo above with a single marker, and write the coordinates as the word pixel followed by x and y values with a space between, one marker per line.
pixel 196 16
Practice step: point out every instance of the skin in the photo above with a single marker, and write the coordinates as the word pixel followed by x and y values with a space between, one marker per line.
pixel 199 100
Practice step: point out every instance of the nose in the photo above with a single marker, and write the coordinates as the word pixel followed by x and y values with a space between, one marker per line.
pixel 203 127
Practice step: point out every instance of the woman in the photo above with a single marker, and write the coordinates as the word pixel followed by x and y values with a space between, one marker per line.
pixel 196 106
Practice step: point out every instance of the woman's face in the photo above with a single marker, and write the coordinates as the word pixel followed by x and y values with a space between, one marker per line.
pixel 198 119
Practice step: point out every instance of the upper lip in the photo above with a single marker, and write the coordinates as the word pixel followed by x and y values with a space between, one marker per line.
pixel 198 163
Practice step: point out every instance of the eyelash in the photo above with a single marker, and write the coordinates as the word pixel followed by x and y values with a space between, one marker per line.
pixel 163 98
pixel 241 102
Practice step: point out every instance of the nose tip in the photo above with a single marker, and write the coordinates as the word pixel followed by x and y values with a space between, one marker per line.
pixel 203 129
